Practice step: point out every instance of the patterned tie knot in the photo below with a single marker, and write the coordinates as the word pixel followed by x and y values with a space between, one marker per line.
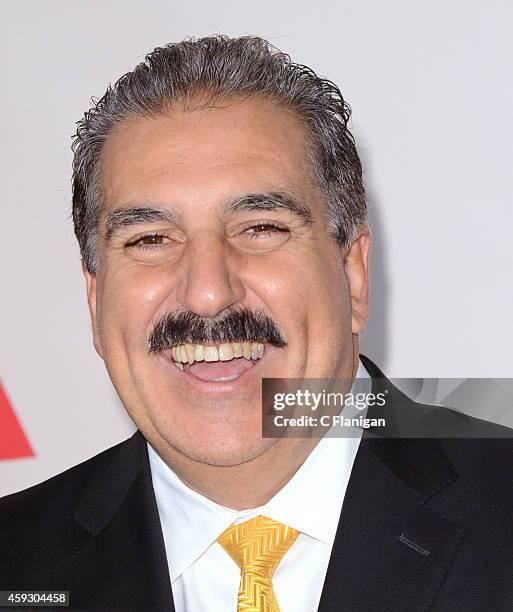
pixel 257 546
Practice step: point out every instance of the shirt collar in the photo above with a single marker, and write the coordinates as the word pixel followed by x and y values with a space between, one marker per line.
pixel 310 502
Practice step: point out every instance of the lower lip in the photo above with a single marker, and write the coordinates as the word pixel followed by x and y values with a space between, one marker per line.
pixel 226 384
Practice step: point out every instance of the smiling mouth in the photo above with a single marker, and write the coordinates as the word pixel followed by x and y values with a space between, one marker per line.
pixel 217 363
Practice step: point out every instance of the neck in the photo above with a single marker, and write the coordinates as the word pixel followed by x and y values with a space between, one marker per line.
pixel 228 485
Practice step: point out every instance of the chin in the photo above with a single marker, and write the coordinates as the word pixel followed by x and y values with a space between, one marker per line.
pixel 223 449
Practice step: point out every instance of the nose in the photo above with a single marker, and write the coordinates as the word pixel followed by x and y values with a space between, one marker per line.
pixel 210 282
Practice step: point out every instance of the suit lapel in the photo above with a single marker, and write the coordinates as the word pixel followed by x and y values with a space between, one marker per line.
pixel 123 564
pixel 392 550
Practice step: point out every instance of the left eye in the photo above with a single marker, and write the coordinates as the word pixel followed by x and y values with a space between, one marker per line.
pixel 263 229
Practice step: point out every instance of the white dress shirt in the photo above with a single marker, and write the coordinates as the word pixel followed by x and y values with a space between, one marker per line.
pixel 204 578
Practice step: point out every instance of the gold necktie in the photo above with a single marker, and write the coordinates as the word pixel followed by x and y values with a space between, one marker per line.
pixel 257 546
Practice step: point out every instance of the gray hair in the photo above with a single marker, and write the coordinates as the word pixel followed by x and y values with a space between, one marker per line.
pixel 210 69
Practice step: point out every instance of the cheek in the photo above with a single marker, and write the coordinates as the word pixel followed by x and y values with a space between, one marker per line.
pixel 128 306
pixel 306 291
pixel 278 282
pixel 330 296
pixel 323 310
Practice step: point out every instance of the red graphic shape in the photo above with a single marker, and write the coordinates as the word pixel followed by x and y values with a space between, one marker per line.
pixel 13 442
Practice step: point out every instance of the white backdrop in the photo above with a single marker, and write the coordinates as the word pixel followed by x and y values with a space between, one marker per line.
pixel 431 91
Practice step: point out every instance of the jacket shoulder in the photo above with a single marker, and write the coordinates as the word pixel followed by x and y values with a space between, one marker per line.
pixel 483 462
pixel 59 489
pixel 37 526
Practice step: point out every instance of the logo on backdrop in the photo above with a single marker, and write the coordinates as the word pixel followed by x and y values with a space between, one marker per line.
pixel 13 441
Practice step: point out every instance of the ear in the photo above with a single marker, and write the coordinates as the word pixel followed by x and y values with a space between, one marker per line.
pixel 91 300
pixel 356 265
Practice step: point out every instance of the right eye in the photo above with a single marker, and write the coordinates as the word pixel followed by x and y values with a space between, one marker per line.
pixel 148 242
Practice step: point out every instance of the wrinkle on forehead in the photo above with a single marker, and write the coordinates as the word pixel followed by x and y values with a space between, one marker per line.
pixel 273 127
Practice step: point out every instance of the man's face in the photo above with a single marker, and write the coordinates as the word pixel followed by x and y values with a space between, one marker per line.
pixel 231 222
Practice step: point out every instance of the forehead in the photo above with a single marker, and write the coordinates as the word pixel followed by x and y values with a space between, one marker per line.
pixel 208 154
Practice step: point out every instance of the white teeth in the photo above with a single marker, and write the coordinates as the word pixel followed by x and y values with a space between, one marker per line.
pixel 246 350
pixel 183 354
pixel 257 350
pixel 225 352
pixel 190 353
pixel 210 353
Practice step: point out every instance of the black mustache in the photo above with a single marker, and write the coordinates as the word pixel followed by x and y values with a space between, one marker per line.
pixel 234 325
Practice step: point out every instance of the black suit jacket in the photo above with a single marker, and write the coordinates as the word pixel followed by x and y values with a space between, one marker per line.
pixel 426 524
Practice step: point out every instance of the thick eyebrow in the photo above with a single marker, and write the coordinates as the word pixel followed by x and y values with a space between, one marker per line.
pixel 121 218
pixel 271 201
